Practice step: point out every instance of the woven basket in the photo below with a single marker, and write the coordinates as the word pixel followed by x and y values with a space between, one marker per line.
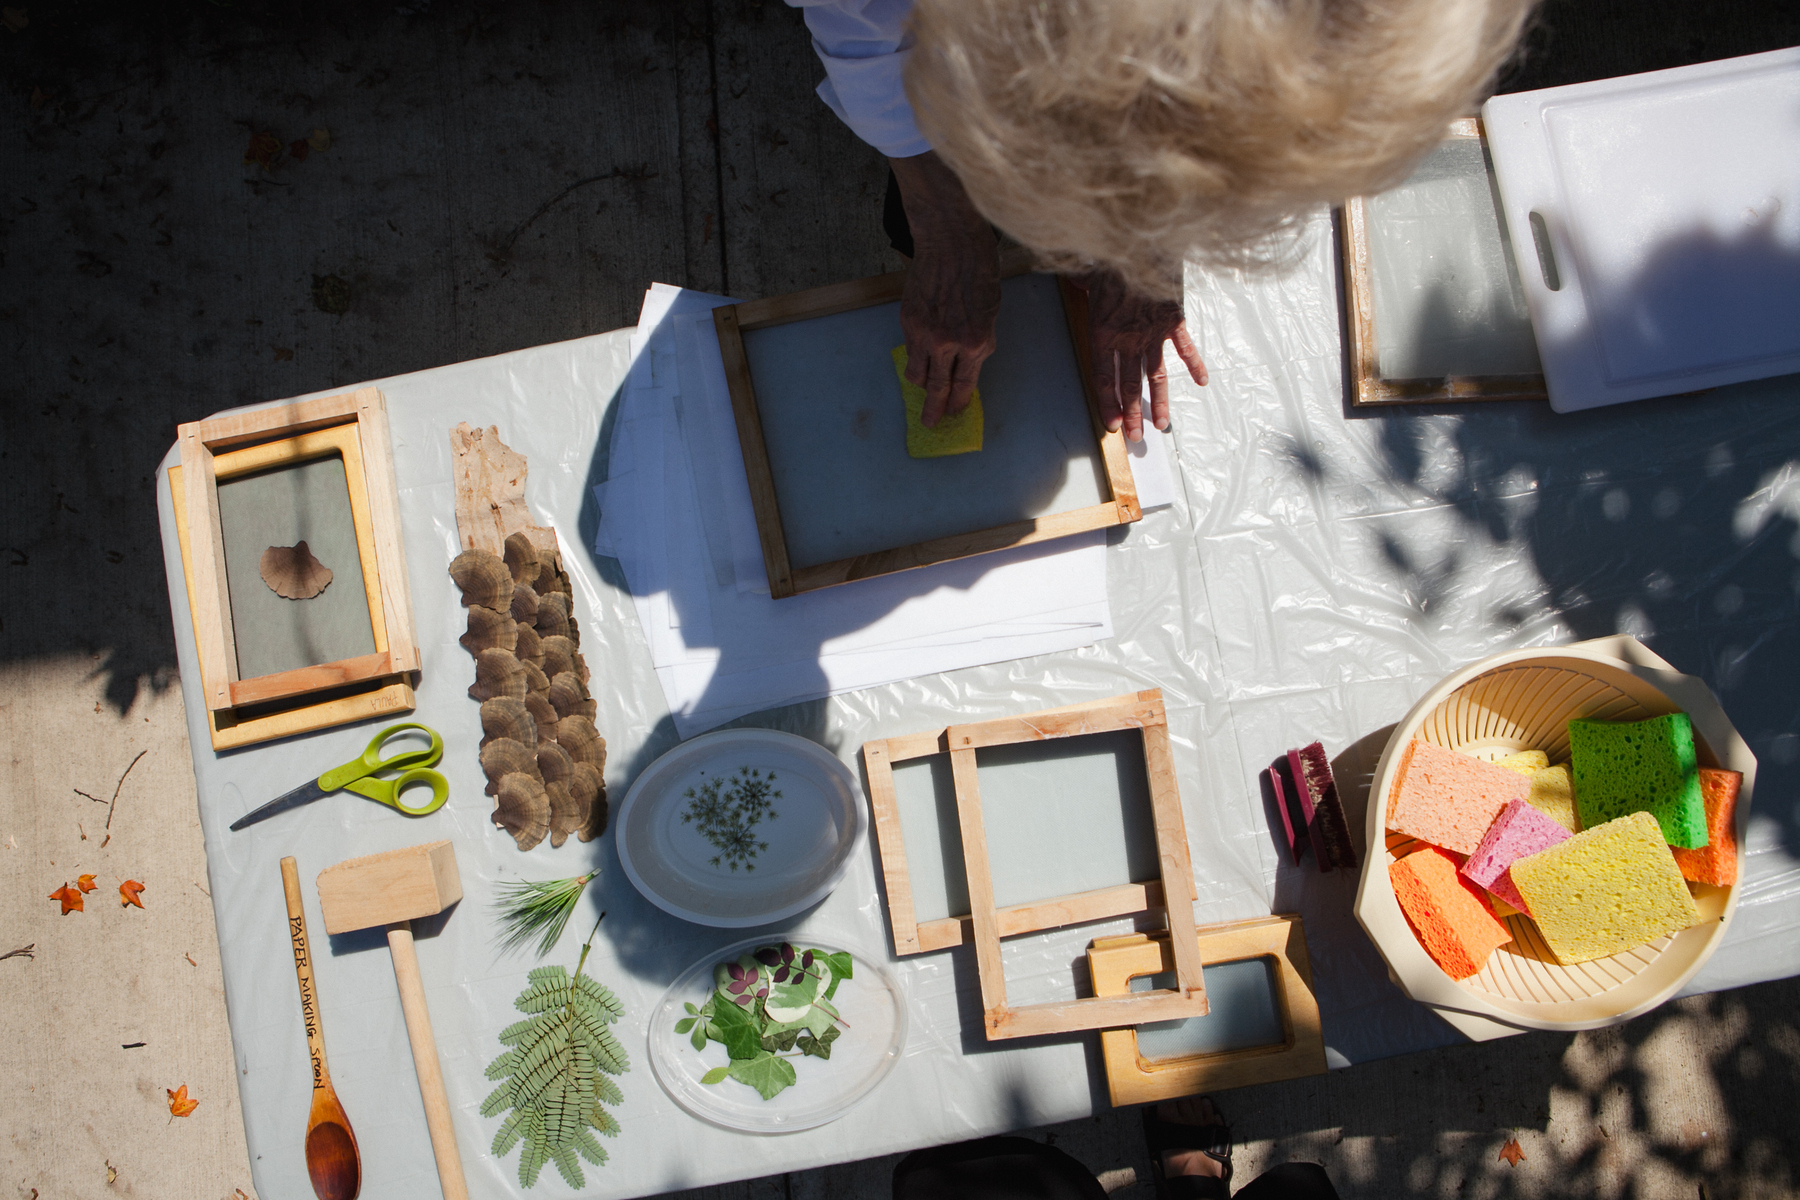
pixel 1524 701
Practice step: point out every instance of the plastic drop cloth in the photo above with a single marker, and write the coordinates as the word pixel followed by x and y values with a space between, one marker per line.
pixel 1317 572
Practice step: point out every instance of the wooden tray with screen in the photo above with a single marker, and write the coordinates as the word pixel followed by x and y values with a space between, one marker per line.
pixel 987 923
pixel 1268 1021
pixel 821 426
pixel 319 471
pixel 1433 256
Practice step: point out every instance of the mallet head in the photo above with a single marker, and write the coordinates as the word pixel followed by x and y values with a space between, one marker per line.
pixel 384 889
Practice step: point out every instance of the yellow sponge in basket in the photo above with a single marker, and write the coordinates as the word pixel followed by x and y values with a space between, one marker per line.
pixel 1553 794
pixel 958 434
pixel 1606 890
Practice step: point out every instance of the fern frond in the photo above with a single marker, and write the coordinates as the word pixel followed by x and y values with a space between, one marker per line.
pixel 588 1148
pixel 568 1167
pixel 554 1076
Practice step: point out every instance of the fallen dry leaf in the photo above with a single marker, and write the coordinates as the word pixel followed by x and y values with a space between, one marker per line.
pixel 129 892
pixel 190 959
pixel 1511 1154
pixel 320 140
pixel 298 149
pixel 263 150
pixel 179 1104
pixel 71 899
pixel 39 97
pixel 284 353
pixel 14 18
pixel 112 1172
pixel 86 883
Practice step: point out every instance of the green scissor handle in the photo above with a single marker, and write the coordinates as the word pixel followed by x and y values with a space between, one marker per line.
pixel 357 774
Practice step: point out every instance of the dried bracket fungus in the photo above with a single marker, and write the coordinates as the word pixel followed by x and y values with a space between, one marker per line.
pixel 545 762
pixel 293 573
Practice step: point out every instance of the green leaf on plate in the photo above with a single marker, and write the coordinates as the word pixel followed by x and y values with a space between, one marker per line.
pixel 686 1023
pixel 716 1075
pixel 699 1038
pixel 841 969
pixel 766 1073
pixel 691 1009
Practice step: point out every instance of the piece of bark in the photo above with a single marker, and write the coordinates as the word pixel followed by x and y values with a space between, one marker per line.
pixel 489 478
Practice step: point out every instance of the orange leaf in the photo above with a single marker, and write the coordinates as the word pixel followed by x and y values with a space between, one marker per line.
pixel 179 1104
pixel 1510 1153
pixel 128 893
pixel 86 883
pixel 71 899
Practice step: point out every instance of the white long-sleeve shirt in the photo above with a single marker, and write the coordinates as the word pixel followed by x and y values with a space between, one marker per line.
pixel 864 46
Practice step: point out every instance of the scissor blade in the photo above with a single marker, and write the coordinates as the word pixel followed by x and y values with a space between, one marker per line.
pixel 306 793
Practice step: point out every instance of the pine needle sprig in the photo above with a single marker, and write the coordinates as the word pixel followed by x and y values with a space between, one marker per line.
pixel 537 910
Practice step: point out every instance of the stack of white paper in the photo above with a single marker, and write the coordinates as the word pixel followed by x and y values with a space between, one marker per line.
pixel 675 511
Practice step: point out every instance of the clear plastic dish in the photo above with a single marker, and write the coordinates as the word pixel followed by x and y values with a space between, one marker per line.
pixel 874 1033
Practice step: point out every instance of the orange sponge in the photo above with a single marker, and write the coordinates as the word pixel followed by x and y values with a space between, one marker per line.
pixel 1452 921
pixel 1715 862
pixel 1450 799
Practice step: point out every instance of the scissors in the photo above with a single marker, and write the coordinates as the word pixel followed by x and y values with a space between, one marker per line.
pixel 356 776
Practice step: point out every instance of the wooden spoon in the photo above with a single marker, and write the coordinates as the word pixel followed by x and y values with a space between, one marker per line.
pixel 331 1157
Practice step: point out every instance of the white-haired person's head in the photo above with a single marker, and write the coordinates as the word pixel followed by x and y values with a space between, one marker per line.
pixel 1139 134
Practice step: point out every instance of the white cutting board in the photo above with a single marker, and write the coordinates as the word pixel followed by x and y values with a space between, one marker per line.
pixel 1664 210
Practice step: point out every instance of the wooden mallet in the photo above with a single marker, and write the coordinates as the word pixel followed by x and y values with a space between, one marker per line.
pixel 391 889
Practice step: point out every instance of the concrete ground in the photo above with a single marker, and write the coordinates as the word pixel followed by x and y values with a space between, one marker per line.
pixel 478 179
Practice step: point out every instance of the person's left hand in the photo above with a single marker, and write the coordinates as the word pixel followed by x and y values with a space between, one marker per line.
pixel 1126 332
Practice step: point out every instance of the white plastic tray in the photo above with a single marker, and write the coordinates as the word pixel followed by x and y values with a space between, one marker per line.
pixel 1664 212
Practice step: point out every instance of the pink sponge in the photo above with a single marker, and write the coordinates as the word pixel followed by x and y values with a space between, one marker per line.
pixel 1449 799
pixel 1519 830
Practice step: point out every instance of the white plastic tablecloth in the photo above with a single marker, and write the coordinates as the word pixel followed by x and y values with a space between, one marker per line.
pixel 1318 571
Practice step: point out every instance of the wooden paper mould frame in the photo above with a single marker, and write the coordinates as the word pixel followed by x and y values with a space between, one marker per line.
pixel 987 924
pixel 1368 388
pixel 242 712
pixel 733 320
pixel 1281 941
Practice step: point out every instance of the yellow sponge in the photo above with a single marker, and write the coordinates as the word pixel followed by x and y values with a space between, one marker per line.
pixel 959 434
pixel 1524 762
pixel 1605 890
pixel 1553 794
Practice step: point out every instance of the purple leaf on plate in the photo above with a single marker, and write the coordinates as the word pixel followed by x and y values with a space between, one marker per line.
pixel 768 956
pixel 781 975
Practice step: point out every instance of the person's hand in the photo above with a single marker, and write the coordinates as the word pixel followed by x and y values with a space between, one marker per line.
pixel 1126 331
pixel 952 292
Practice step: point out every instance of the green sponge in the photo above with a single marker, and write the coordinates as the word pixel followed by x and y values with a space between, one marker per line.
pixel 959 434
pixel 1622 767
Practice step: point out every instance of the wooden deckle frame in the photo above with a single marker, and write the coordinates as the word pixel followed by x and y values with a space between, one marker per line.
pixel 1368 388
pixel 987 924
pixel 1281 941
pixel 353 425
pixel 733 320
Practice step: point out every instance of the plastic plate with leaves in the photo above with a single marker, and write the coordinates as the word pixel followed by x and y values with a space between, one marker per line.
pixel 740 827
pixel 823 1026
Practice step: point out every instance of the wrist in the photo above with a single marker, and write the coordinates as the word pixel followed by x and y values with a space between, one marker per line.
pixel 939 210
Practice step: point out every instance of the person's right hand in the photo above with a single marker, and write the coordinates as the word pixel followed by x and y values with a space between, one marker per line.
pixel 952 292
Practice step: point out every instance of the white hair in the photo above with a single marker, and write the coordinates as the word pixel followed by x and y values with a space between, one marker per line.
pixel 1139 134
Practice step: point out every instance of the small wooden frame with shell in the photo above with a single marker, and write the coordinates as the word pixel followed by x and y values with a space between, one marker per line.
pixel 544 760
pixel 1280 941
pixel 1368 387
pixel 732 321
pixel 987 924
pixel 242 712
